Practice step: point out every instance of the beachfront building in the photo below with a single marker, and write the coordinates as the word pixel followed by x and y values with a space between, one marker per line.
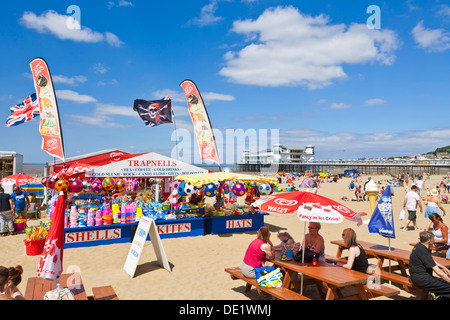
pixel 10 163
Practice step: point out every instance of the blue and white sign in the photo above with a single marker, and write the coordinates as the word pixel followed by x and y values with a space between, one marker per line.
pixel 382 220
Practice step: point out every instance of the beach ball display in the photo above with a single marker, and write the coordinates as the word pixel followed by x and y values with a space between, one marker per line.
pixel 120 185
pixel 45 181
pixel 76 186
pixel 210 190
pixel 265 189
pixel 51 183
pixel 180 189
pixel 189 189
pixel 176 184
pixel 108 184
pixel 62 185
pixel 96 187
pixel 239 189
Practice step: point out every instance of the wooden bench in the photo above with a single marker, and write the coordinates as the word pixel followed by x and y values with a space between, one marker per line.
pixel 280 293
pixel 380 290
pixel 104 293
pixel 431 248
pixel 404 281
pixel 37 287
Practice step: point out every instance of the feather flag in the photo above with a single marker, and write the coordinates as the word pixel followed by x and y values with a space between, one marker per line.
pixel 24 111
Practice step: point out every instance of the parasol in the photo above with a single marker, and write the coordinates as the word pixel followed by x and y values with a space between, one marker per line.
pixel 50 265
pixel 19 179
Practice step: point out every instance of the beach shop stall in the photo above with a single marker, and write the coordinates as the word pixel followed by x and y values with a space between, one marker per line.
pixel 106 203
pixel 235 217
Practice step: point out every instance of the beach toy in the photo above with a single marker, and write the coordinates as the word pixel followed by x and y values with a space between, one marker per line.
pixel 210 190
pixel 76 186
pixel 108 184
pixel 239 189
pixel 120 185
pixel 85 185
pixel 45 181
pixel 264 189
pixel 90 218
pixel 99 218
pixel 189 189
pixel 62 185
pixel 96 187
pixel 51 183
pixel 176 184
pixel 180 189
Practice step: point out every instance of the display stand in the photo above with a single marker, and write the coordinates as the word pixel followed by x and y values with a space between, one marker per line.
pixel 234 224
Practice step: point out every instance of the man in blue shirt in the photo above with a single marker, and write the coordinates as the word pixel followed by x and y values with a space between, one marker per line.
pixel 20 202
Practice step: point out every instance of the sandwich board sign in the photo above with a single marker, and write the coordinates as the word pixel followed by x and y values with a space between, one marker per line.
pixel 146 226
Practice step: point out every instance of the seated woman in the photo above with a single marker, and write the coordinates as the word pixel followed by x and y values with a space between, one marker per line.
pixel 257 253
pixel 314 241
pixel 440 232
pixel 357 258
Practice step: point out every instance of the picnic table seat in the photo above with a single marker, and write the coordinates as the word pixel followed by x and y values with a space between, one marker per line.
pixel 431 248
pixel 104 293
pixel 280 293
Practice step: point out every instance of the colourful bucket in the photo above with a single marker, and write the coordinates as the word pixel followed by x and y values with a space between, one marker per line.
pixel 34 247
pixel 19 227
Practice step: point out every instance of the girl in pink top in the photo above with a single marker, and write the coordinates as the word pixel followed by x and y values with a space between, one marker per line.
pixel 257 252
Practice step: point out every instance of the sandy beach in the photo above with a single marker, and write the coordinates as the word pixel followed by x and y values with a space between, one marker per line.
pixel 198 263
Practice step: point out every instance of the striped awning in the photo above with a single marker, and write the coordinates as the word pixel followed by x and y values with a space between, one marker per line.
pixel 205 178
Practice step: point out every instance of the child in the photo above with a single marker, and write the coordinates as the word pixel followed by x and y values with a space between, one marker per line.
pixel 285 238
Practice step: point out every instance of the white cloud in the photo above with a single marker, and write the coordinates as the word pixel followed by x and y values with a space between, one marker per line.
pixel 180 96
pixel 336 105
pixel 74 96
pixel 432 40
pixel 207 15
pixel 291 48
pixel 120 3
pixel 72 81
pixel 374 102
pixel 57 24
pixel 100 68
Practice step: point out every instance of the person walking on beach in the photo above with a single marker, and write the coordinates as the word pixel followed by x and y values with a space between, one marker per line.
pixel 20 202
pixel 433 204
pixel 411 202
pixel 419 183
pixel 422 265
pixel 6 212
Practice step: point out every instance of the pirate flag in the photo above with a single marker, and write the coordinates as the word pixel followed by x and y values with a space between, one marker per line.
pixel 156 111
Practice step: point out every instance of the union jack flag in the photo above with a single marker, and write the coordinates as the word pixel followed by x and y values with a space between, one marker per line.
pixel 24 111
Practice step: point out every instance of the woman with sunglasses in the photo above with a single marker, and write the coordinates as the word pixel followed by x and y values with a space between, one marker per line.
pixel 357 258
pixel 314 241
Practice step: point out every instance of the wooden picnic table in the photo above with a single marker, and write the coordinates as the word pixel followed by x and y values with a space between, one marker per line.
pixel 331 276
pixel 38 287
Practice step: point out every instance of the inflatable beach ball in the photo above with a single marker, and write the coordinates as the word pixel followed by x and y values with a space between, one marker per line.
pixel 62 185
pixel 96 187
pixel 265 189
pixel 180 189
pixel 108 184
pixel 239 189
pixel 210 190
pixel 189 188
pixel 120 185
pixel 52 183
pixel 76 186
pixel 45 181
pixel 176 184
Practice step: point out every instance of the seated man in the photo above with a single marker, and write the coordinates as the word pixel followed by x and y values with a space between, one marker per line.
pixel 422 265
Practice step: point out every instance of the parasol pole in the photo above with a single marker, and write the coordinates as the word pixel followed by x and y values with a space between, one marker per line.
pixel 389 258
pixel 303 254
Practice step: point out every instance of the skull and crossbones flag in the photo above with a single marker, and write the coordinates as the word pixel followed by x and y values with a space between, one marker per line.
pixel 156 111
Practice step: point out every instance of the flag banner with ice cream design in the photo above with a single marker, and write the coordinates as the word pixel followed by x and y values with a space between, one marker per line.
pixel 49 126
pixel 382 220
pixel 202 124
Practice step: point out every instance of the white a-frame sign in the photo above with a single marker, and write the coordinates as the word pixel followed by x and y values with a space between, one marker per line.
pixel 146 226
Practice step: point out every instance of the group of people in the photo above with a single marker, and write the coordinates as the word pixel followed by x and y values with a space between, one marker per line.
pixel 12 206
pixel 10 278
pixel 261 251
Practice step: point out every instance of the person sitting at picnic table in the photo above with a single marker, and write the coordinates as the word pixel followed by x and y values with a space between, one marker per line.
pixel 257 253
pixel 314 241
pixel 422 265
pixel 10 278
pixel 357 258
pixel 440 232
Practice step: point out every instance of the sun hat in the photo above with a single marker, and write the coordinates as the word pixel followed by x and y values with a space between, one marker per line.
pixel 434 192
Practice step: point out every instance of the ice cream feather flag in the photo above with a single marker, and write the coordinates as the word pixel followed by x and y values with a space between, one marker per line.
pixel 201 121
pixel 382 220
pixel 23 112
pixel 154 112
pixel 50 125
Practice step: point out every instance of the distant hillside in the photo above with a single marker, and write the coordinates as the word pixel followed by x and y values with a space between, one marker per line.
pixel 439 150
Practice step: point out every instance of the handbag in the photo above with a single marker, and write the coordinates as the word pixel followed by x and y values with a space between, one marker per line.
pixel 271 279
pixel 309 255
pixel 59 294
pixel 262 271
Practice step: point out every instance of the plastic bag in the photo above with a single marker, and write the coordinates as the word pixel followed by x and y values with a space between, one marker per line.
pixel 402 215
pixel 59 294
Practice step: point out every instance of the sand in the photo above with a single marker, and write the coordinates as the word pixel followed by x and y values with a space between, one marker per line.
pixel 198 262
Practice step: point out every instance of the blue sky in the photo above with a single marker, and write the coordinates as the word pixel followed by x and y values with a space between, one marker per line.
pixel 312 70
